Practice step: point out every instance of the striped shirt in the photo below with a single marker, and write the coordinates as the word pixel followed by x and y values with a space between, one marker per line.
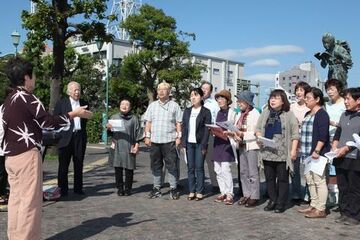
pixel 163 118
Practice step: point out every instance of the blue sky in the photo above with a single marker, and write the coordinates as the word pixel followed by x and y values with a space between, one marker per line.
pixel 268 36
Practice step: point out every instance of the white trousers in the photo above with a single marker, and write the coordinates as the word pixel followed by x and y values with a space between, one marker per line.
pixel 224 177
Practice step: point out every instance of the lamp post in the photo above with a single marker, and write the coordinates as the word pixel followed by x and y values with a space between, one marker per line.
pixel 15 36
pixel 99 45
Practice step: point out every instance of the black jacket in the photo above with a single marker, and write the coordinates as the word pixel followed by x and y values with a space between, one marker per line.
pixel 62 107
pixel 202 132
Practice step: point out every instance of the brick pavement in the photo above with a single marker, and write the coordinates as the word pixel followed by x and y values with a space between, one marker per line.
pixel 101 214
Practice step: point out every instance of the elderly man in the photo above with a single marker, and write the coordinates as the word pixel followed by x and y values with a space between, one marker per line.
pixel 72 143
pixel 163 133
pixel 211 104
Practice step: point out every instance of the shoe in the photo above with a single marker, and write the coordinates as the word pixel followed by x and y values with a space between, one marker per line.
pixel 280 208
pixel 243 200
pixel 350 221
pixel 229 200
pixel 220 198
pixel 307 210
pixel 174 194
pixel 191 196
pixel 120 192
pixel 251 203
pixel 127 192
pixel 199 197
pixel 215 189
pixel 155 193
pixel 80 192
pixel 316 214
pixel 270 206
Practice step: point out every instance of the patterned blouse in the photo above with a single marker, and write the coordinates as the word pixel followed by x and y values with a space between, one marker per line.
pixel 23 118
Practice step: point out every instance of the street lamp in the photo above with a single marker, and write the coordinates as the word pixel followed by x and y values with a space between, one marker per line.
pixel 15 36
pixel 99 45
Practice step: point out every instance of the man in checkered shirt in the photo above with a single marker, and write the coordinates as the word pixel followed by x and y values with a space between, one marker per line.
pixel 162 134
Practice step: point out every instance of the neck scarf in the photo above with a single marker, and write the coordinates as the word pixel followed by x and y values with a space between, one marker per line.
pixel 273 124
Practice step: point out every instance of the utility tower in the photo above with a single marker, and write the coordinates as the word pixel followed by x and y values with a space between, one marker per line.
pixel 122 9
pixel 32 7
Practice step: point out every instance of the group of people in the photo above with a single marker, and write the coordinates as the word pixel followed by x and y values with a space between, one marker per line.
pixel 302 131
pixel 207 131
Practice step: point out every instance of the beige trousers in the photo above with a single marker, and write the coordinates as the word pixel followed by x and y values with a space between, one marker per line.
pixel 318 190
pixel 25 202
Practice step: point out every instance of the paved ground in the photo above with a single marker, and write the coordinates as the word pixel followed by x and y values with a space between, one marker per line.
pixel 101 214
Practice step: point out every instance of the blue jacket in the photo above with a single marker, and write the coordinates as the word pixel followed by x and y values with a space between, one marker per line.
pixel 202 132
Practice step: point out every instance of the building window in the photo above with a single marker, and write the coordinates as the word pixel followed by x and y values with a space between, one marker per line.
pixel 289 84
pixel 216 71
pixel 289 78
pixel 230 74
pixel 298 77
pixel 304 76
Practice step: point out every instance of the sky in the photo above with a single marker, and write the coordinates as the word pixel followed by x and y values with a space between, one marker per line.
pixel 268 36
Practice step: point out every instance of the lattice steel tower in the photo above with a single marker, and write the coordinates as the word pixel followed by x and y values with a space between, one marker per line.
pixel 122 9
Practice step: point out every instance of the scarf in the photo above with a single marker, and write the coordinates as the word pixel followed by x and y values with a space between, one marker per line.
pixel 242 120
pixel 273 124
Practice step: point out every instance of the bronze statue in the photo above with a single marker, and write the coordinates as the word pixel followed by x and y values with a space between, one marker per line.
pixel 337 55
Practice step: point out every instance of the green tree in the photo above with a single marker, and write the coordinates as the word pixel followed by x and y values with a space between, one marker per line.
pixel 52 21
pixel 4 81
pixel 161 55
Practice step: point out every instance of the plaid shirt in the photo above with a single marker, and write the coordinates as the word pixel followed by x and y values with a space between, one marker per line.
pixel 306 135
pixel 163 118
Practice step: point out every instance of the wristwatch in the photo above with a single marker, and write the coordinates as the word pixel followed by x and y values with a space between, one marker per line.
pixel 317 152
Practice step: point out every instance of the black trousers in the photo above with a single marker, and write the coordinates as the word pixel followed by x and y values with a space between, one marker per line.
pixel 3 176
pixel 277 181
pixel 129 176
pixel 348 182
pixel 75 151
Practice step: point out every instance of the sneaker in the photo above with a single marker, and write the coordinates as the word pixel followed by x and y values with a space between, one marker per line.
pixel 155 193
pixel 174 194
pixel 220 198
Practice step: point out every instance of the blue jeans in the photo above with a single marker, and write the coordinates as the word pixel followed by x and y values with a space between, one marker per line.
pixel 196 173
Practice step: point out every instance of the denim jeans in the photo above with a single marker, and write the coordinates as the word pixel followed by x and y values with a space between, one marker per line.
pixel 161 153
pixel 196 172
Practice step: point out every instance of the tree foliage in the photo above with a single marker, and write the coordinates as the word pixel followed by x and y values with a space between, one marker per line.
pixel 53 20
pixel 161 55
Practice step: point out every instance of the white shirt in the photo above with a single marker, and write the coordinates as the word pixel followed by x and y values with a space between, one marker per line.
pixel 74 105
pixel 192 124
pixel 213 106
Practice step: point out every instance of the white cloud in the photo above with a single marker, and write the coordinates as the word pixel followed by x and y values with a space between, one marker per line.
pixel 261 77
pixel 268 62
pixel 255 52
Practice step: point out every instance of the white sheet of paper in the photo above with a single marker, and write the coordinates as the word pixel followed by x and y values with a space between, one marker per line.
pixel 315 165
pixel 356 142
pixel 267 142
pixel 228 126
pixel 330 155
pixel 181 152
pixel 212 126
pixel 117 125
